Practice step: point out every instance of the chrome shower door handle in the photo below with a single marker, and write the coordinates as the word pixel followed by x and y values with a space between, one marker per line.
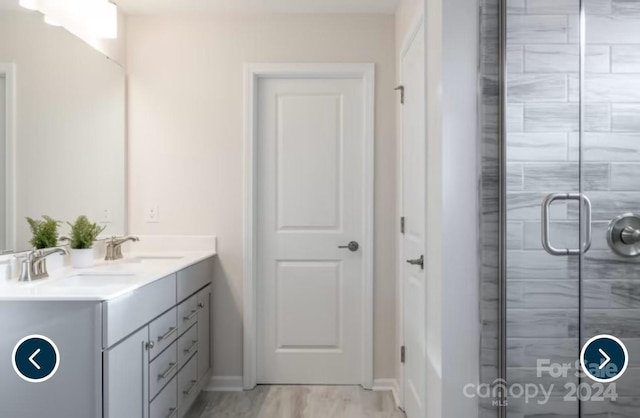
pixel 587 214
pixel 546 227
pixel 546 224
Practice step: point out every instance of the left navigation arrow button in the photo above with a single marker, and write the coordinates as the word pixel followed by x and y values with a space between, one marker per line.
pixel 35 358
pixel 31 359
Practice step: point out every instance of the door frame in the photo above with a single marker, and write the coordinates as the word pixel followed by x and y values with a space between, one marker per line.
pixel 416 25
pixel 252 74
pixel 8 71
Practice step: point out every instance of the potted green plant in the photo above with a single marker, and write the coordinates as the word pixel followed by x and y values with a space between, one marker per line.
pixel 45 235
pixel 83 234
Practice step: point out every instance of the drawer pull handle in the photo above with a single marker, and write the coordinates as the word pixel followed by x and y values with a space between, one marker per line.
pixel 167 334
pixel 173 412
pixel 191 316
pixel 200 305
pixel 194 345
pixel 172 367
pixel 190 390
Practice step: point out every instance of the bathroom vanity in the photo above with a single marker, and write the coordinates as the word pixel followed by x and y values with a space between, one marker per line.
pixel 133 338
pixel 132 335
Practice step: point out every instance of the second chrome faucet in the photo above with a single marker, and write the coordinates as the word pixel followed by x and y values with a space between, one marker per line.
pixel 114 247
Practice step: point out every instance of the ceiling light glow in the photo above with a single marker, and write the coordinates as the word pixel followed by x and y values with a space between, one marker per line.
pixel 88 19
pixel 29 4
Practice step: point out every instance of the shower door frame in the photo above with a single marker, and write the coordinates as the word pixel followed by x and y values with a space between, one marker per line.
pixel 502 206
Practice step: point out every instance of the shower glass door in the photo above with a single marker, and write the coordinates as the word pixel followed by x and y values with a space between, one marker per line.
pixel 543 165
pixel 572 167
pixel 610 160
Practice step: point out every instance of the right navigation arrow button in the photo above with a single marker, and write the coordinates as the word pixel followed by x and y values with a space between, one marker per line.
pixel 606 361
pixel 604 358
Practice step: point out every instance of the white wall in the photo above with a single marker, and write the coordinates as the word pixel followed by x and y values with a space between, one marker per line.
pixel 461 327
pixel 452 207
pixel 186 135
pixel 70 125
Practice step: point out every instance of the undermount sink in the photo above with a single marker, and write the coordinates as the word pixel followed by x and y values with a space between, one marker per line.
pixel 142 259
pixel 93 279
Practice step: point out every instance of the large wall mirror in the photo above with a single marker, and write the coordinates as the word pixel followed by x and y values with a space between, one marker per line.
pixel 62 129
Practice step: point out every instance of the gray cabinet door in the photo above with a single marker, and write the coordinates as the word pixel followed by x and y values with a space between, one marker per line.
pixel 204 333
pixel 126 371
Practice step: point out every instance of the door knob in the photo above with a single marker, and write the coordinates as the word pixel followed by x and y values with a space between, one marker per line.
pixel 352 246
pixel 417 262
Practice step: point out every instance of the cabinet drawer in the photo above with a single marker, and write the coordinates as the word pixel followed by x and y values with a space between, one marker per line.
pixel 187 345
pixel 194 278
pixel 124 315
pixel 165 405
pixel 162 369
pixel 187 386
pixel 187 314
pixel 163 331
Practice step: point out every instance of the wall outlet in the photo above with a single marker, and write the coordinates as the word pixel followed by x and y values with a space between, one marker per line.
pixel 153 215
pixel 105 216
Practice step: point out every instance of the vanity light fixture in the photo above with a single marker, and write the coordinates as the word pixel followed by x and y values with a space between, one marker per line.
pixel 92 19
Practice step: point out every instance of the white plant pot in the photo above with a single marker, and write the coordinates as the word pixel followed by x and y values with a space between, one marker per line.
pixel 82 259
pixel 5 270
pixel 55 262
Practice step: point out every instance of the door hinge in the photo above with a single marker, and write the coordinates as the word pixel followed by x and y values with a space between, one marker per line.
pixel 402 354
pixel 401 88
pixel 402 225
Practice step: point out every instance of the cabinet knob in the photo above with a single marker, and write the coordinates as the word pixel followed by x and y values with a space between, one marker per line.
pixel 200 305
pixel 149 345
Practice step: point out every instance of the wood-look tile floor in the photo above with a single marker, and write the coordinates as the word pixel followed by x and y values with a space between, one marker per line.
pixel 296 402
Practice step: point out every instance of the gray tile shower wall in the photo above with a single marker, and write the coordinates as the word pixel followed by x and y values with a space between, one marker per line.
pixel 543 123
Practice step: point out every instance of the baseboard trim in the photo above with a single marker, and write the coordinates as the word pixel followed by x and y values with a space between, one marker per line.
pixel 224 384
pixel 388 385
pixel 234 384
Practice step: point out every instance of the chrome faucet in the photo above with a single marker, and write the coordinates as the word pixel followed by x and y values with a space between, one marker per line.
pixel 114 247
pixel 34 265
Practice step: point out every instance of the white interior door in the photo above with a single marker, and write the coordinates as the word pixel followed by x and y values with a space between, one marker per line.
pixel 413 239
pixel 310 200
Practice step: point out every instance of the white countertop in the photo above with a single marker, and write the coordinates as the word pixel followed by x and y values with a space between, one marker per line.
pixel 106 280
